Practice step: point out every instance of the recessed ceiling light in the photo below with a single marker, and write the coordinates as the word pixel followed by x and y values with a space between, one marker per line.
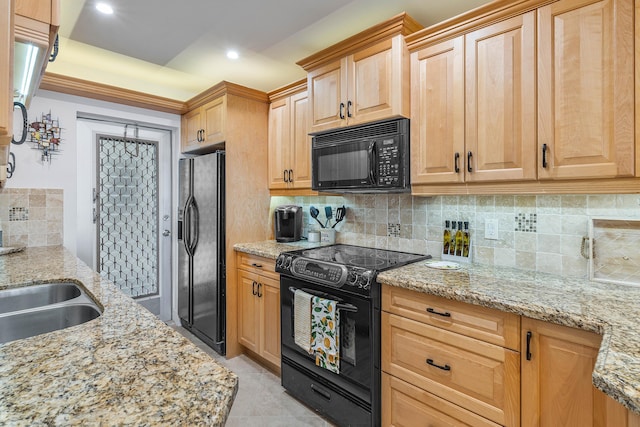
pixel 232 54
pixel 104 8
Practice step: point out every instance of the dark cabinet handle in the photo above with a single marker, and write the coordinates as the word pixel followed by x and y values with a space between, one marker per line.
pixel 11 165
pixel 256 265
pixel 349 108
pixel 444 368
pixel 290 175
pixel 469 156
pixel 432 311
pixel 342 110
pixel 544 156
pixel 284 175
pixel 456 162
pixel 25 123
pixel 253 288
pixel 321 392
pixel 529 336
pixel 259 290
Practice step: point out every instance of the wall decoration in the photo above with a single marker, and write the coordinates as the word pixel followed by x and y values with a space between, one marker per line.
pixel 45 135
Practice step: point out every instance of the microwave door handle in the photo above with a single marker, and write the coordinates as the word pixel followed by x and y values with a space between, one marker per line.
pixel 372 162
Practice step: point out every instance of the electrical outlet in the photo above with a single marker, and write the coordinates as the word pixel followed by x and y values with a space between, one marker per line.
pixel 491 229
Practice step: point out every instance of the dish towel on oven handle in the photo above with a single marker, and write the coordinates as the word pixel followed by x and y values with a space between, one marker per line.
pixel 325 331
pixel 302 320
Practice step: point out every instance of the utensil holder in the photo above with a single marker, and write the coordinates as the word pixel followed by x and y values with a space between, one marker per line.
pixel 328 235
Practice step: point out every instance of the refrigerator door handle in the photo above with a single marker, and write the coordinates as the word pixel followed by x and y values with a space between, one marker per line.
pixel 186 226
pixel 196 222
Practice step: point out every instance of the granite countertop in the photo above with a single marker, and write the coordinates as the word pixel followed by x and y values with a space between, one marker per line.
pixel 125 367
pixel 608 309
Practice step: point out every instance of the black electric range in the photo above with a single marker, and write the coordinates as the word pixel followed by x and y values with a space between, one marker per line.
pixel 346 274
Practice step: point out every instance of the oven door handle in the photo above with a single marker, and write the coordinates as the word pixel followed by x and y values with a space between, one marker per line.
pixel 340 306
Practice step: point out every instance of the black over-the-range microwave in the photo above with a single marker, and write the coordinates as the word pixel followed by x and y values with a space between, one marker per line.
pixel 367 158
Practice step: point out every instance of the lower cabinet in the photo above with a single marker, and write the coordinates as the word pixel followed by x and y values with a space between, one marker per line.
pixel 557 363
pixel 447 363
pixel 259 308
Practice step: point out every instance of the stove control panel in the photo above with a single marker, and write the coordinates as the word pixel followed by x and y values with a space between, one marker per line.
pixel 323 272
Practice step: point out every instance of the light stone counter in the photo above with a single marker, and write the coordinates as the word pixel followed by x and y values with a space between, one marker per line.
pixel 607 309
pixel 124 368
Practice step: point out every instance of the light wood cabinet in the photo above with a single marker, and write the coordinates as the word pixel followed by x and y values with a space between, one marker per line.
pixel 259 307
pixel 6 74
pixel 586 89
pixel 557 389
pixel 289 140
pixel 204 127
pixel 439 347
pixel 361 79
pixel 481 128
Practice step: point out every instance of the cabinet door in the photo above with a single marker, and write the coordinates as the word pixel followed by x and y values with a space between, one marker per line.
pixel 437 113
pixel 500 101
pixel 279 143
pixel 586 89
pixel 300 141
pixel 374 82
pixel 248 311
pixel 6 73
pixel 40 10
pixel 556 382
pixel 327 94
pixel 270 321
pixel 215 119
pixel 191 127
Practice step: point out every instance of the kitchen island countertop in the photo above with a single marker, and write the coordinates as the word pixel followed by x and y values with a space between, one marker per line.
pixel 608 309
pixel 125 367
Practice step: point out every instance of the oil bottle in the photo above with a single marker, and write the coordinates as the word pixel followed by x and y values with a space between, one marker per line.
pixel 452 244
pixel 446 238
pixel 466 240
pixel 459 240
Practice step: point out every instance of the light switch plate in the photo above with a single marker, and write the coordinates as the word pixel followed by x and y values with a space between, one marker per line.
pixel 491 229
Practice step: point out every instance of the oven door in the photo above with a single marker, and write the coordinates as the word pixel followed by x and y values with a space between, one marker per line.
pixel 356 331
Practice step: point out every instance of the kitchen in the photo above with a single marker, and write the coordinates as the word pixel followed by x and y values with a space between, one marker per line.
pixel 555 214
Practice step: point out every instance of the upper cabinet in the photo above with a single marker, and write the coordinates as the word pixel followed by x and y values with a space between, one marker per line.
pixel 481 128
pixel 216 113
pixel 586 89
pixel 204 126
pixel 6 71
pixel 289 140
pixel 361 79
pixel 531 97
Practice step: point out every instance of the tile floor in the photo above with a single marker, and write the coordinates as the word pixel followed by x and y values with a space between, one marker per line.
pixel 261 400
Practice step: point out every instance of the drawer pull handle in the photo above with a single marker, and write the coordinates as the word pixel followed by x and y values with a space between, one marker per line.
pixel 321 392
pixel 432 311
pixel 444 368
pixel 256 265
pixel 529 336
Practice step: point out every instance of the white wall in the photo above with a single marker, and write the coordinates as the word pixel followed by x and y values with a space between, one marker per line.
pixel 71 164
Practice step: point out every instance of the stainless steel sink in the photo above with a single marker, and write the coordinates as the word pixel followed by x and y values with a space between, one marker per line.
pixel 29 323
pixel 36 296
pixel 38 309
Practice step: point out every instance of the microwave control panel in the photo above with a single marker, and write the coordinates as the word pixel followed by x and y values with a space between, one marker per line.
pixel 389 162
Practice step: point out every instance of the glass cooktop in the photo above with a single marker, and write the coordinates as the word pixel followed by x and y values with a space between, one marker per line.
pixel 359 256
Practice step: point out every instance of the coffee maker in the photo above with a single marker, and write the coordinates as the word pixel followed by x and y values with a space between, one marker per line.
pixel 288 223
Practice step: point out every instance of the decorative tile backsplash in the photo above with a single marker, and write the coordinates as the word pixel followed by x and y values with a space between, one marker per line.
pixel 31 217
pixel 540 233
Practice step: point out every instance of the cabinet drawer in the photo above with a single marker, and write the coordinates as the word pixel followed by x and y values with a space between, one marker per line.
pixel 258 264
pixel 481 377
pixel 407 405
pixel 486 324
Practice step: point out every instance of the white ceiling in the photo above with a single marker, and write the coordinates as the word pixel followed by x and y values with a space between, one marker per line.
pixel 177 49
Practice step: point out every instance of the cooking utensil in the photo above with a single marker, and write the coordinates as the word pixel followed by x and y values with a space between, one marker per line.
pixel 314 214
pixel 340 214
pixel 328 212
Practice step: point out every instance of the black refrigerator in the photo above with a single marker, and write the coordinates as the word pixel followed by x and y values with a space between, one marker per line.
pixel 201 248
